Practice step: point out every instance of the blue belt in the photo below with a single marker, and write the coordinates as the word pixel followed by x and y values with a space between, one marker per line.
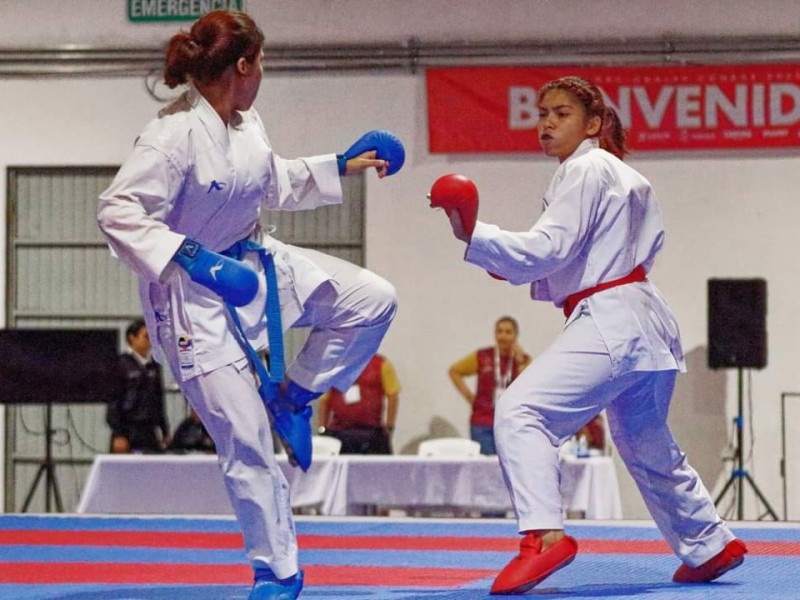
pixel 268 381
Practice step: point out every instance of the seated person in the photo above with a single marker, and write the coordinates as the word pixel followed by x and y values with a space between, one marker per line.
pixel 137 417
pixel 363 417
pixel 589 440
pixel 192 436
pixel 595 432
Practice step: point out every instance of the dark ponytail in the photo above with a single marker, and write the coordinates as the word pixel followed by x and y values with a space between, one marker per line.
pixel 183 57
pixel 214 43
pixel 612 135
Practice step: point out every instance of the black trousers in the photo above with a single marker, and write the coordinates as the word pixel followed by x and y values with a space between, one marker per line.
pixel 363 440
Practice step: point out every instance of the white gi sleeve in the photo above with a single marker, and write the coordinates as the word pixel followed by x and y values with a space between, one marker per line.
pixel 304 183
pixel 132 209
pixel 556 238
pixel 301 183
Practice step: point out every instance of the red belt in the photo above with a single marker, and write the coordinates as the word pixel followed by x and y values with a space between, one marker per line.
pixel 638 274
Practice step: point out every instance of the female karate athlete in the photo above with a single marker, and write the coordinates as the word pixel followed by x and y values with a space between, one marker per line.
pixel 183 213
pixel 620 349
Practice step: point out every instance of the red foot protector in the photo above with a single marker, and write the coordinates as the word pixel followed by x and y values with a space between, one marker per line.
pixel 730 558
pixel 532 566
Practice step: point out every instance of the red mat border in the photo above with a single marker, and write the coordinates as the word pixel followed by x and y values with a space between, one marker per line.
pixel 233 541
pixel 204 574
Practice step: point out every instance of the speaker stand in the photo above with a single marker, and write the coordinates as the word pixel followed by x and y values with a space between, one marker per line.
pixel 739 474
pixel 47 469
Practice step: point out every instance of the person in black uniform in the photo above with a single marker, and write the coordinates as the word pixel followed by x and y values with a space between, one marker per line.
pixel 137 418
pixel 192 436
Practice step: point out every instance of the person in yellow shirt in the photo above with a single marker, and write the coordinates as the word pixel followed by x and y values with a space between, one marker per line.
pixel 496 367
pixel 363 417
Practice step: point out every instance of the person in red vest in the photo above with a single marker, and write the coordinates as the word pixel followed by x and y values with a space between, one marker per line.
pixel 363 417
pixel 496 367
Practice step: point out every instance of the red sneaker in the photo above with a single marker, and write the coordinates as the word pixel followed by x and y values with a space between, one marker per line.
pixel 731 557
pixel 532 566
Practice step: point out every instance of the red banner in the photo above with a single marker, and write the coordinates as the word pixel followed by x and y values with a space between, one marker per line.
pixel 493 109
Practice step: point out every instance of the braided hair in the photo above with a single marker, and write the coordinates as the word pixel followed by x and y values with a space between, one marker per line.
pixel 612 135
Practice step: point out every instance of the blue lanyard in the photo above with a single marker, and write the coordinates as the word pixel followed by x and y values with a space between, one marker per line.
pixel 268 381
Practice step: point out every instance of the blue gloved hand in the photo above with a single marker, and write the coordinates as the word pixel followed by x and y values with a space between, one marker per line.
pixel 233 281
pixel 386 145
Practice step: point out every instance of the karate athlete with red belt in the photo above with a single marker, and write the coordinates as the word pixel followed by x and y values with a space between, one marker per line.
pixel 183 213
pixel 589 253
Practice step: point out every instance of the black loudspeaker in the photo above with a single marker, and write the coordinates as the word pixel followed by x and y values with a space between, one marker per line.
pixel 737 323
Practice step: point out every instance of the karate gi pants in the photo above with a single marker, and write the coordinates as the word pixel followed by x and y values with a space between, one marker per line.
pixel 348 318
pixel 565 388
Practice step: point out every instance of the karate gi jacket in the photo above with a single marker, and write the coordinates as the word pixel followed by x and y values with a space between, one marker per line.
pixel 600 221
pixel 190 175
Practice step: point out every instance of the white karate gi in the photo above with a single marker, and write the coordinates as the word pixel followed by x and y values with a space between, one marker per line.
pixel 620 350
pixel 191 175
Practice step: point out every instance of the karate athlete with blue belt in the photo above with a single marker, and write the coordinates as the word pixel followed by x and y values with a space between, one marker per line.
pixel 183 213
pixel 589 253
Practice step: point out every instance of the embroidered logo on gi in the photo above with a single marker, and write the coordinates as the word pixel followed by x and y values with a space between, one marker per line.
pixel 215 269
pixel 189 248
pixel 216 185
pixel 185 353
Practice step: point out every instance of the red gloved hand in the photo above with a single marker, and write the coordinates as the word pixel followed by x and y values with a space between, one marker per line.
pixel 456 193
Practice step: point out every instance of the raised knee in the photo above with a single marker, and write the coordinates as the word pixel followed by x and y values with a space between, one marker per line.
pixel 384 297
pixel 510 418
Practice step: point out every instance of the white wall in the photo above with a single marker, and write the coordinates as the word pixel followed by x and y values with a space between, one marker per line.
pixel 731 215
pixel 47 22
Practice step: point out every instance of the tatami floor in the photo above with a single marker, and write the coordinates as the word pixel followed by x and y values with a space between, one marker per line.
pixel 86 558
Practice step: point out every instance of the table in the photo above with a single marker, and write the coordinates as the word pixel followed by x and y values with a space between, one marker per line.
pixel 338 485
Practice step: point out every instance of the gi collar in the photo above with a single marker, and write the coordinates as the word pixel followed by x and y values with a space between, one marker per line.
pixel 584 147
pixel 210 118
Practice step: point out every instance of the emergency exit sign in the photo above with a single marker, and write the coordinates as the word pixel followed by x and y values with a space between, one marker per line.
pixel 149 11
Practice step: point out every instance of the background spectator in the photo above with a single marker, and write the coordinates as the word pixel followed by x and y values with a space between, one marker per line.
pixel 192 436
pixel 595 432
pixel 496 367
pixel 363 417
pixel 137 418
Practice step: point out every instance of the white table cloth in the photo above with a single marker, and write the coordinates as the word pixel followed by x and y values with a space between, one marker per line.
pixel 338 485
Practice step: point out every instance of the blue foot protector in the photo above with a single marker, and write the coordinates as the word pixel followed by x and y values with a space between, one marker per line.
pixel 290 414
pixel 269 587
pixel 293 427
